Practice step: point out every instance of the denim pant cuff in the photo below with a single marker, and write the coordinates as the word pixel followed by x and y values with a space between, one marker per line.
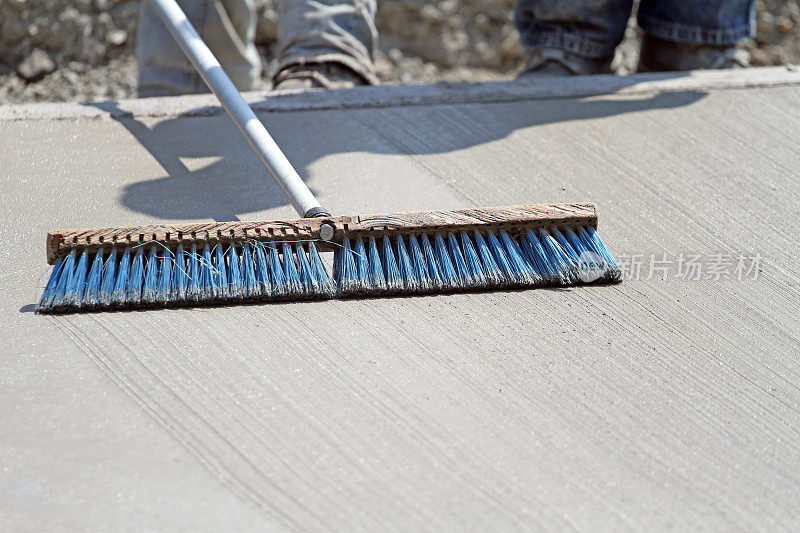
pixel 570 43
pixel 694 34
pixel 363 68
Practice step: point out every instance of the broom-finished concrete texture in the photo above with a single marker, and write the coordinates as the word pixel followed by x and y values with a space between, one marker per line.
pixel 654 404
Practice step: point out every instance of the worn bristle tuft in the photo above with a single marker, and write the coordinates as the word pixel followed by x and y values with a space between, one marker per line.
pixel 91 297
pixel 150 289
pixel 307 280
pixel 219 274
pixel 109 277
pixel 406 272
pixel 180 274
pixel 394 282
pixel 375 268
pixel 344 268
pixel 251 288
pixel 494 275
pixel 193 289
pixel 136 279
pixel 323 281
pixel 279 288
pixel 164 289
pixel 433 268
pixel 418 259
pixel 262 270
pixel 473 262
pixel 235 278
pixel 292 276
pixel 120 294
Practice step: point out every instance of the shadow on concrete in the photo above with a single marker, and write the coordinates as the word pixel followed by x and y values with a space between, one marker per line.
pixel 232 181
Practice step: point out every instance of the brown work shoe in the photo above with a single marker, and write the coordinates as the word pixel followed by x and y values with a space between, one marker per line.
pixel 662 55
pixel 316 76
pixel 555 62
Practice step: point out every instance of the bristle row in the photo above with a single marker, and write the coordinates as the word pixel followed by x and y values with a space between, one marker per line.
pixel 150 275
pixel 450 261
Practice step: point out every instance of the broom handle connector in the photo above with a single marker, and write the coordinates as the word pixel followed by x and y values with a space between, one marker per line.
pixel 293 187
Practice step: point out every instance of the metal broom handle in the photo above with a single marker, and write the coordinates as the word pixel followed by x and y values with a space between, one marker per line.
pixel 254 131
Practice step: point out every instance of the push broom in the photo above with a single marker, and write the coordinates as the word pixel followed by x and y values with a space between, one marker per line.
pixel 392 253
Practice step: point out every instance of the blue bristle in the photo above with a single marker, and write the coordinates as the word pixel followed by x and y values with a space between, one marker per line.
pixel 235 277
pixel 344 265
pixel 150 289
pixel 362 265
pixel 207 274
pixel 430 261
pixel 446 270
pixel 46 301
pixel 375 266
pixel 304 270
pixel 523 270
pixel 136 278
pixel 180 274
pixel 556 257
pixel 590 263
pixel 575 241
pixel 589 236
pixel 251 288
pixel 494 275
pixel 530 256
pixel 501 258
pixel 280 287
pixel 193 286
pixel 473 261
pixel 318 270
pixel 67 273
pixel 290 272
pixel 262 270
pixel 120 294
pixel 567 254
pixel 404 266
pixel 77 284
pixel 92 294
pixel 464 275
pixel 539 258
pixel 164 291
pixel 219 277
pixel 394 281
pixel 420 264
pixel 566 247
pixel 109 277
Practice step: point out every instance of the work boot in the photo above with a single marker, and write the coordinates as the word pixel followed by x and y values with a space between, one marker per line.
pixel 556 62
pixel 316 76
pixel 662 55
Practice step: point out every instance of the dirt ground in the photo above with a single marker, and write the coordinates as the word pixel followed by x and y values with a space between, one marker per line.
pixel 81 50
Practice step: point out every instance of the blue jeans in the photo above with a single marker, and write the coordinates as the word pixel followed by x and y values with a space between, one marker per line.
pixel 593 28
pixel 309 31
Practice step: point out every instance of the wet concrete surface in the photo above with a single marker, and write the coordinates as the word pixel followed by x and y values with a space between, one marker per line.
pixel 665 402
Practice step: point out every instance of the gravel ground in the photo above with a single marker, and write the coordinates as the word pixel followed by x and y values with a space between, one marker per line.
pixel 81 50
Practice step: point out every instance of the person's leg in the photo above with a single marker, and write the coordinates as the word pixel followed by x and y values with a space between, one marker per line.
pixel 684 35
pixel 325 42
pixel 226 26
pixel 575 36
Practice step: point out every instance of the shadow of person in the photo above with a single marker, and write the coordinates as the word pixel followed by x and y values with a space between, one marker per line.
pixel 211 175
pixel 227 179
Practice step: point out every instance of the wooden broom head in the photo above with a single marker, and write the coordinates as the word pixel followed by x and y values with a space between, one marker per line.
pixel 513 219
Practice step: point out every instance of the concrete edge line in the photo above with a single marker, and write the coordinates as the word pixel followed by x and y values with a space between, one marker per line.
pixel 416 95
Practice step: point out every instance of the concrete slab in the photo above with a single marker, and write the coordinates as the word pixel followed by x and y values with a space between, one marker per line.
pixel 665 402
